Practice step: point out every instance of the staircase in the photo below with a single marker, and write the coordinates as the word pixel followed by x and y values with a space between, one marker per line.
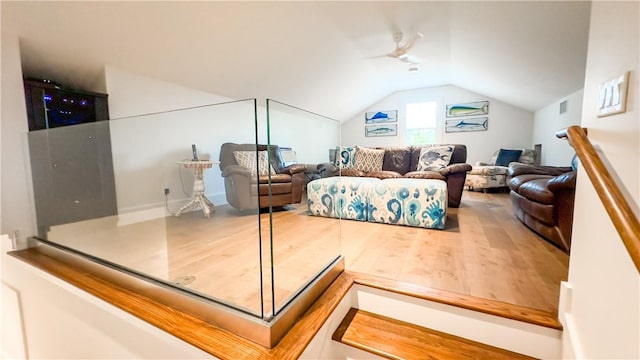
pixel 400 321
pixel 394 339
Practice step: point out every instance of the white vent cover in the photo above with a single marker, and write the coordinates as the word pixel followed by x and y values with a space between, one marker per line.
pixel 563 107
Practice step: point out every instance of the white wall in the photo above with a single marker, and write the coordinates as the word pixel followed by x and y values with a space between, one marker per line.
pixel 18 212
pixel 548 120
pixel 146 147
pixel 132 94
pixel 509 126
pixel 310 135
pixel 602 317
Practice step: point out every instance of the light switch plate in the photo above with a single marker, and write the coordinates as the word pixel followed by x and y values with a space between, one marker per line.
pixel 612 96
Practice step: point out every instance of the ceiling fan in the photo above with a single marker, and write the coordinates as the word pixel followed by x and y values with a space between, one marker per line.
pixel 401 50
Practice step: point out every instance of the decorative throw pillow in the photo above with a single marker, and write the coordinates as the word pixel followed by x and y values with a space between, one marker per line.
pixel 345 157
pixel 507 156
pixel 434 158
pixel 528 157
pixel 368 159
pixel 397 159
pixel 247 159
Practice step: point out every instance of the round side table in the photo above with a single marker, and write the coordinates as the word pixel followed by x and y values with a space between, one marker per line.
pixel 198 199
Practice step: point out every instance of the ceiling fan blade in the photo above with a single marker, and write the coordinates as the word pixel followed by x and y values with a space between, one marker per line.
pixel 411 42
pixel 377 56
pixel 410 59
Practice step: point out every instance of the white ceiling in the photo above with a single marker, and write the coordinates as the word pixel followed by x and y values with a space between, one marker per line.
pixel 316 55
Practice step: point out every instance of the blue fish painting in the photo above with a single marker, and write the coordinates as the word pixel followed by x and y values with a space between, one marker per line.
pixel 381 130
pixel 472 124
pixel 381 117
pixel 468 109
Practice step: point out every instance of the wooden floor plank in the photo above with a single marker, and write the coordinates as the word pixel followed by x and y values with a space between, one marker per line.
pixel 394 339
pixel 484 251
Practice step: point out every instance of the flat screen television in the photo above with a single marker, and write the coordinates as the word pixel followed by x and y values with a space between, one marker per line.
pixel 49 106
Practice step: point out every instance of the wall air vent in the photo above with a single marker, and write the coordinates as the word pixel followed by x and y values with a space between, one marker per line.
pixel 563 107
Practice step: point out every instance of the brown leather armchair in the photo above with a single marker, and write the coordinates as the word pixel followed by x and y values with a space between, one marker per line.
pixel 543 199
pixel 249 192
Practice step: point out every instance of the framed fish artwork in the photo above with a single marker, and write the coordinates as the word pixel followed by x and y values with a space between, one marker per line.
pixel 468 109
pixel 377 117
pixel 381 130
pixel 467 124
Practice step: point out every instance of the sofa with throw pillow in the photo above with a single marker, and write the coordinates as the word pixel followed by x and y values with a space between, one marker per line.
pixel 494 174
pixel 434 161
pixel 252 183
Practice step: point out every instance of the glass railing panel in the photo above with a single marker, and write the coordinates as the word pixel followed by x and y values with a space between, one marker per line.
pixel 301 246
pixel 149 194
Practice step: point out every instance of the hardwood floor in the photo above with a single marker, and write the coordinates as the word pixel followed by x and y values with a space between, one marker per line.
pixel 484 251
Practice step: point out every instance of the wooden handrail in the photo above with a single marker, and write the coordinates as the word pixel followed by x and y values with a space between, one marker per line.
pixel 619 210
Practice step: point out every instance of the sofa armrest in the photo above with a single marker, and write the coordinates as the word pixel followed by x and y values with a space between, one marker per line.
pixel 293 169
pixel 516 169
pixel 327 169
pixel 566 181
pixel 235 170
pixel 456 168
pixel 311 169
pixel 482 163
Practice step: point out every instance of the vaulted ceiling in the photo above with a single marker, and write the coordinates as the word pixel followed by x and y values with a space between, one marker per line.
pixel 323 56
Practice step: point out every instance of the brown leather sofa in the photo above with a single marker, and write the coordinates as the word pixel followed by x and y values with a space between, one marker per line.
pixel 247 192
pixel 403 162
pixel 543 199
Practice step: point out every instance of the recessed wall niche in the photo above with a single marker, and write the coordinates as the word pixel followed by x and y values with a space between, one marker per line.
pixel 70 154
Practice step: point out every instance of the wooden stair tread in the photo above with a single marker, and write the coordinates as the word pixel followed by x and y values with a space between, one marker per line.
pixel 487 306
pixel 395 339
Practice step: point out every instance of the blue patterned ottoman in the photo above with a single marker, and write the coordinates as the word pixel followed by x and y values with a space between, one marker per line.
pixel 340 197
pixel 411 202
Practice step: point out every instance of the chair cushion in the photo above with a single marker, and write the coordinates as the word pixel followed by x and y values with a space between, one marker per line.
pixel 434 158
pixel 489 170
pixel 368 159
pixel 382 174
pixel 275 178
pixel 506 156
pixel 536 190
pixel 425 175
pixel 352 172
pixel 517 181
pixel 247 159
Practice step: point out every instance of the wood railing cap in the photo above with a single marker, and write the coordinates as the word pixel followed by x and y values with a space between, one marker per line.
pixel 613 199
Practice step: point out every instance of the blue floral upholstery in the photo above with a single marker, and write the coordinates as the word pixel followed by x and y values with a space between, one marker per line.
pixel 484 176
pixel 410 202
pixel 340 197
